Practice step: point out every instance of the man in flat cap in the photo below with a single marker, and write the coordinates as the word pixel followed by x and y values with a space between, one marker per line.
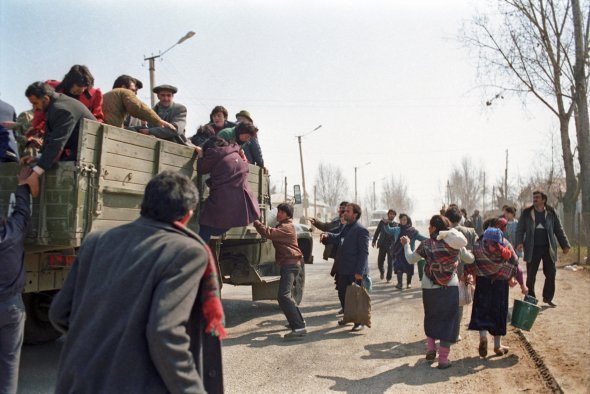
pixel 169 111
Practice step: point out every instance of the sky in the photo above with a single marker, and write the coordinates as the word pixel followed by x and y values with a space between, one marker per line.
pixel 388 80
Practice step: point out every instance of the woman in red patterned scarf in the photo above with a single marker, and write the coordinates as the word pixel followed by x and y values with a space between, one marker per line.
pixel 440 292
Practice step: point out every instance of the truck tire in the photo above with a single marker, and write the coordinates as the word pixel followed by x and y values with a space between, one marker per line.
pixel 38 328
pixel 299 285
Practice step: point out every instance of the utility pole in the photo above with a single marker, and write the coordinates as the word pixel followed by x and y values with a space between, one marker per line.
pixel 355 184
pixel 285 189
pixel 305 199
pixel 152 64
pixel 315 202
pixel 448 192
pixel 483 210
pixel 506 180
pixel 374 197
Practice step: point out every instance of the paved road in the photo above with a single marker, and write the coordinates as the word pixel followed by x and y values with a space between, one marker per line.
pixel 385 358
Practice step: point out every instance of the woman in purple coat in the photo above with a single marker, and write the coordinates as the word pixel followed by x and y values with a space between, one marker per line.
pixel 230 202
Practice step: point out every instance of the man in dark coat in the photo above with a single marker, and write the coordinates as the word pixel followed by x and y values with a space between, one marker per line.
pixel 12 283
pixel 352 254
pixel 63 116
pixel 383 241
pixel 538 233
pixel 334 226
pixel 133 305
pixel 170 111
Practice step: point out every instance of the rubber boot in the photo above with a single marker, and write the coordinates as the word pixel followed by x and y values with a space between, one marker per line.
pixel 443 357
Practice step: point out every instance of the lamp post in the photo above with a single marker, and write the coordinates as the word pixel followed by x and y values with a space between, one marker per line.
pixel 355 187
pixel 305 201
pixel 152 64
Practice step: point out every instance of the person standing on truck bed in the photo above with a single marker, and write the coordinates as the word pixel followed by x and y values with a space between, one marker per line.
pixel 122 101
pixel 289 257
pixel 141 305
pixel 170 111
pixel 252 148
pixel 63 116
pixel 12 282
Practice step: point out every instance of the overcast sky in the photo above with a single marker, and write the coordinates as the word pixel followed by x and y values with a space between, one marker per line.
pixel 387 80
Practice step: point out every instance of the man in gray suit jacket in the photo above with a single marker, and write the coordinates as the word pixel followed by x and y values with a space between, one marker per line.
pixel 169 111
pixel 139 306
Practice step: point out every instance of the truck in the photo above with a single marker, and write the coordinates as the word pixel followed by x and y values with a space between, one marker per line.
pixel 103 189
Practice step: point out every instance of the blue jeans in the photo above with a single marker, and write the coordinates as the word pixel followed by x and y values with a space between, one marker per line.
pixel 12 326
pixel 286 302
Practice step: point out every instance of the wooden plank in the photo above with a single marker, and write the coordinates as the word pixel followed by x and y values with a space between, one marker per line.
pixel 113 213
pixel 126 176
pixel 188 171
pixel 114 160
pixel 107 224
pixel 129 150
pixel 179 150
pixel 178 161
pixel 122 200
pixel 115 187
pixel 131 137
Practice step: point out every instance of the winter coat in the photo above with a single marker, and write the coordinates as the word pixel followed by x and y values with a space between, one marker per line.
pixel 525 232
pixel 284 240
pixel 383 238
pixel 176 115
pixel 63 116
pixel 129 309
pixel 120 102
pixel 353 249
pixel 231 202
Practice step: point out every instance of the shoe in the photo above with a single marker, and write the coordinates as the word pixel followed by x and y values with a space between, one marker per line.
pixel 409 285
pixel 550 303
pixel 399 286
pixel 382 276
pixel 340 312
pixel 341 322
pixel 459 338
pixel 502 350
pixel 444 366
pixel 357 327
pixel 483 347
pixel 430 355
pixel 295 334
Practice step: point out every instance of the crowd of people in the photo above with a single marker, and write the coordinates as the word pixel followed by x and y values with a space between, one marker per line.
pixel 458 253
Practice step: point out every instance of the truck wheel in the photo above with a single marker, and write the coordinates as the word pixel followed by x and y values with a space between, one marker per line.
pixel 38 328
pixel 297 290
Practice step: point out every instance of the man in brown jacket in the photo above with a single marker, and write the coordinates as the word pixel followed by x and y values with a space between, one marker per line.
pixel 122 101
pixel 288 256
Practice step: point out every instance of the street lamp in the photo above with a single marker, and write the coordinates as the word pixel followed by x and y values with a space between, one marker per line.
pixel 152 63
pixel 355 188
pixel 305 200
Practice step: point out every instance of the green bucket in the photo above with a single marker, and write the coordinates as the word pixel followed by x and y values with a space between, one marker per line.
pixel 421 265
pixel 524 315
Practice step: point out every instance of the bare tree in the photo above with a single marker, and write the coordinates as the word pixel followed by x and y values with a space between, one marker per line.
pixel 395 195
pixel 330 184
pixel 528 49
pixel 464 186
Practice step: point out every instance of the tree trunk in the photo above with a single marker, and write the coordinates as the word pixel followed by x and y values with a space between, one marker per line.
pixel 582 119
pixel 571 193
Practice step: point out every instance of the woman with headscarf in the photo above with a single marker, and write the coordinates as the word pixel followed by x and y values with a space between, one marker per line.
pixel 440 292
pixel 496 269
pixel 400 264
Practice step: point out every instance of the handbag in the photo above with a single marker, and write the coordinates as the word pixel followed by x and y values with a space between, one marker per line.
pixel 357 305
pixel 466 291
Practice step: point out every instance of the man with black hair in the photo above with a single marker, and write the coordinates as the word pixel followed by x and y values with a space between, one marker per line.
pixel 538 232
pixel 334 226
pixel 12 282
pixel 141 306
pixel 383 241
pixel 122 101
pixel 352 254
pixel 63 116
pixel 289 257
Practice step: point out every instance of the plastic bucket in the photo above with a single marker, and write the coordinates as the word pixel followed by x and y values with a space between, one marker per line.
pixel 524 315
pixel 530 299
pixel 421 265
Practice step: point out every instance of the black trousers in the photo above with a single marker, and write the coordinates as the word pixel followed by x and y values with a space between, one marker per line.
pixel 286 301
pixel 384 252
pixel 549 270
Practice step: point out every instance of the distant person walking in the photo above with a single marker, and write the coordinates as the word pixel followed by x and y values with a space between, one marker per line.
pixel 538 233
pixel 400 264
pixel 383 240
